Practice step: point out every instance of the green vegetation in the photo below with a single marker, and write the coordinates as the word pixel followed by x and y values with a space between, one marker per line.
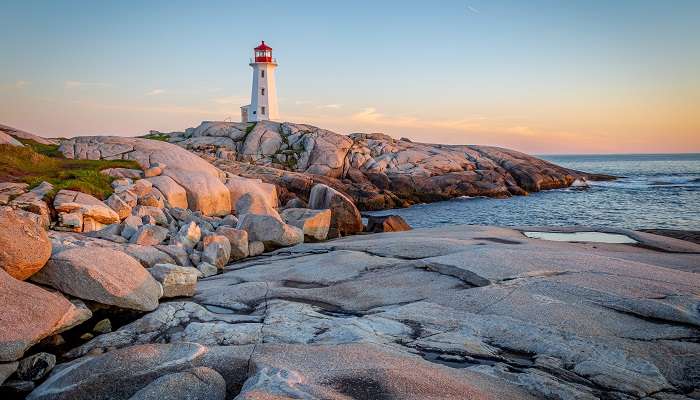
pixel 37 162
pixel 156 136
pixel 250 128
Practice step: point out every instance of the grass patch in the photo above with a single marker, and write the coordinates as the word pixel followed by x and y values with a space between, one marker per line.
pixel 36 163
pixel 250 128
pixel 157 136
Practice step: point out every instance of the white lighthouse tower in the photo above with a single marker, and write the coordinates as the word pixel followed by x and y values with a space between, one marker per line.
pixel 263 98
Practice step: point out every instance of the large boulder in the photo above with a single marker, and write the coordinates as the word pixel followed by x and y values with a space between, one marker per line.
pixel 175 194
pixel 149 235
pixel 118 374
pixel 387 223
pixel 7 139
pixel 259 191
pixel 202 181
pixel 29 313
pixel 238 239
pixel 103 275
pixel 250 203
pixel 314 223
pixel 199 383
pixel 24 244
pixel 270 230
pixel 345 217
pixel 217 250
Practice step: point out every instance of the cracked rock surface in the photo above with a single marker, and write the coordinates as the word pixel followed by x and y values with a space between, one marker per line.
pixel 449 313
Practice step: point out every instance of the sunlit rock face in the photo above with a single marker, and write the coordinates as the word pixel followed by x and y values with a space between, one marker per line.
pixel 374 169
pixel 203 183
pixel 464 311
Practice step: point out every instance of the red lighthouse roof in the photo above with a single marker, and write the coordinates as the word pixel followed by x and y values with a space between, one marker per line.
pixel 263 47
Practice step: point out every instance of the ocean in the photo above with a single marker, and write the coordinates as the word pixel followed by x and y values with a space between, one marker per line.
pixel 660 191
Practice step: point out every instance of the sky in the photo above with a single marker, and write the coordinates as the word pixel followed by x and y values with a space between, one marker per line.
pixel 545 77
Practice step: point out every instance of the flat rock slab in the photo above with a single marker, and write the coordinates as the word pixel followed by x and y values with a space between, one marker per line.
pixel 456 312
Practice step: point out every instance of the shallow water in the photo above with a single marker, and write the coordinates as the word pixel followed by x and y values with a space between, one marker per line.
pixel 595 237
pixel 654 191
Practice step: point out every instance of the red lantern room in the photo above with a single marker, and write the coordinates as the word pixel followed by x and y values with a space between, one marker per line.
pixel 263 53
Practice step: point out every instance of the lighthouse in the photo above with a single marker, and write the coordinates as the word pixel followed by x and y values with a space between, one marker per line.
pixel 263 98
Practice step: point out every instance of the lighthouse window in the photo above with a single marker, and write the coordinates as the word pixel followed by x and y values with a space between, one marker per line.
pixel 262 110
pixel 263 91
pixel 262 73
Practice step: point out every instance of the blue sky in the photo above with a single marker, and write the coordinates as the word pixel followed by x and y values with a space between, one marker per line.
pixel 540 76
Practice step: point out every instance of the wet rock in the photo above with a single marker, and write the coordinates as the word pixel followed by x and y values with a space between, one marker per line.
pixel 387 223
pixel 24 244
pixel 229 220
pixel 35 367
pixel 176 281
pixel 314 223
pixel 102 275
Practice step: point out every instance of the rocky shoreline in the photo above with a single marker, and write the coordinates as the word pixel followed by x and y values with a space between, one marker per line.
pixel 376 171
pixel 238 273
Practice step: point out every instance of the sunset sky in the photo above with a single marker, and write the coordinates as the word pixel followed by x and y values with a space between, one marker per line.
pixel 544 77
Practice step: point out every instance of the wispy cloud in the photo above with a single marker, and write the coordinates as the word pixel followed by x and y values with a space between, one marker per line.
pixel 473 10
pixel 330 106
pixel 22 84
pixel 155 92
pixel 302 102
pixel 80 84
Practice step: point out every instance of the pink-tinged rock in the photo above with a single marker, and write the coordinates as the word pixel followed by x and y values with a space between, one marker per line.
pixel 29 313
pixel 24 245
pixel 103 275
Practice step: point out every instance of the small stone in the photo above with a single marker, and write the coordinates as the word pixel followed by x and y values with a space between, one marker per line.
pixel 188 236
pixel 35 367
pixel 142 187
pixel 19 387
pixel 103 326
pixel 207 269
pixel 121 182
pixel 217 250
pixel 255 248
pixel 149 235
pixel 152 171
pixel 176 280
pixel 238 240
pixel 229 220
pixel 130 226
pixel 72 221
pixel 87 336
